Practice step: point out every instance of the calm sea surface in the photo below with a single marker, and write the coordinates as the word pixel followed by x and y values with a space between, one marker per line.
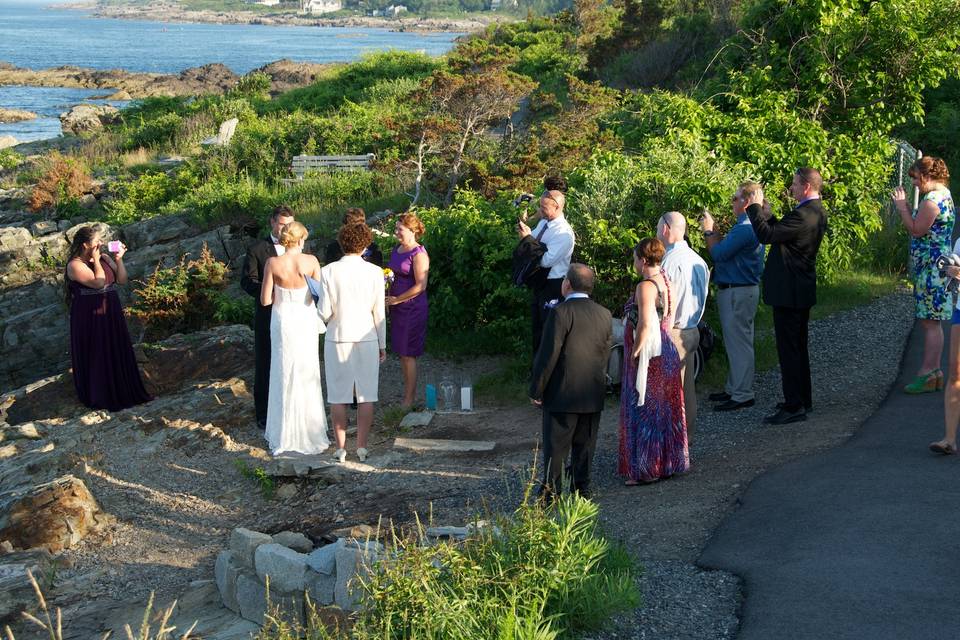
pixel 35 37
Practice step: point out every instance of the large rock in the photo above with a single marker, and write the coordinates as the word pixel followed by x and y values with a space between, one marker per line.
pixel 154 231
pixel 15 115
pixel 294 540
pixel 285 568
pixel 85 118
pixel 244 543
pixel 54 516
pixel 253 601
pixel 226 574
pixel 324 559
pixel 8 141
pixel 16 592
pixel 351 563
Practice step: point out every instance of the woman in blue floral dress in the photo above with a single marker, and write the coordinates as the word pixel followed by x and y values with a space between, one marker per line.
pixel 931 231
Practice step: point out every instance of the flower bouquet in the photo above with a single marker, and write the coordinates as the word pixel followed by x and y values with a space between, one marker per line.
pixel 388 277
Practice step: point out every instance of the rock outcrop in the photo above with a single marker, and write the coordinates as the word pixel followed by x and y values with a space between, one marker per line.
pixel 8 141
pixel 86 118
pixel 53 516
pixel 15 115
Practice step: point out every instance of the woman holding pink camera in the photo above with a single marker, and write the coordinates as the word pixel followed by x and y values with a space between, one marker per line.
pixel 105 371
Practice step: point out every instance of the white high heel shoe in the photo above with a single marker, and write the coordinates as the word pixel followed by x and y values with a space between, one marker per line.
pixel 341 455
pixel 362 454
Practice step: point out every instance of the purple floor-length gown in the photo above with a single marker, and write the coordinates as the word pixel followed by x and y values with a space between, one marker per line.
pixel 408 320
pixel 105 371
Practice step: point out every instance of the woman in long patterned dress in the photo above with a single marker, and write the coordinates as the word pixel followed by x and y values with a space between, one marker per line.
pixel 407 300
pixel 653 428
pixel 931 232
pixel 105 372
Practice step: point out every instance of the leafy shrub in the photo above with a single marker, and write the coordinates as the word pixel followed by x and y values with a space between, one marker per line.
pixel 349 82
pixel 541 573
pixel 155 133
pixel 180 299
pixel 141 198
pixel 9 159
pixel 470 246
pixel 61 182
pixel 223 200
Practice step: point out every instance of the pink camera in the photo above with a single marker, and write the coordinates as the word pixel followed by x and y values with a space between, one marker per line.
pixel 113 246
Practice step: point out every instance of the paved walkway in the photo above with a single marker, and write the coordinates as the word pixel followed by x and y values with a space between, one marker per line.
pixel 856 542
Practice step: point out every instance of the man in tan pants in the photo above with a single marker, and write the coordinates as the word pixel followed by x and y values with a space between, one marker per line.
pixel 689 278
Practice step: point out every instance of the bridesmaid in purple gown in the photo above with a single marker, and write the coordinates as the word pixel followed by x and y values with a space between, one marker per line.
pixel 408 300
pixel 105 371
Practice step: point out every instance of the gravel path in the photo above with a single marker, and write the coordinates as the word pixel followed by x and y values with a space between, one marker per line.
pixel 855 356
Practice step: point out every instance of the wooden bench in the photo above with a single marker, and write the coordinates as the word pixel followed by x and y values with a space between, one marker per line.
pixel 302 164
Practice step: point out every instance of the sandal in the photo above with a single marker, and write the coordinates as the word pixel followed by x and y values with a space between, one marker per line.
pixel 925 383
pixel 943 449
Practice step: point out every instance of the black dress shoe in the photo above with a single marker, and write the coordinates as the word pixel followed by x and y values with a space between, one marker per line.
pixel 783 405
pixel 262 424
pixel 782 416
pixel 719 396
pixel 733 405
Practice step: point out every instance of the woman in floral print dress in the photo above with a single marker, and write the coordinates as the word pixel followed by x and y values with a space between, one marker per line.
pixel 931 230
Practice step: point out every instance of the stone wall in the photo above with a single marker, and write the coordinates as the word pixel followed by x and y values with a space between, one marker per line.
pixel 294 568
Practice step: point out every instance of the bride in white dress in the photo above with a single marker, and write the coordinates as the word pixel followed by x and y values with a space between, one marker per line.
pixel 296 419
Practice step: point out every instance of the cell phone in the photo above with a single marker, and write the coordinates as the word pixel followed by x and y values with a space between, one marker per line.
pixel 113 246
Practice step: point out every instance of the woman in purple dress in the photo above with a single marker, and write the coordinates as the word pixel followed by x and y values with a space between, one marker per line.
pixel 653 428
pixel 105 371
pixel 408 300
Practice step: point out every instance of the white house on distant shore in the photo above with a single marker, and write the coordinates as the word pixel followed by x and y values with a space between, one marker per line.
pixel 266 3
pixel 322 6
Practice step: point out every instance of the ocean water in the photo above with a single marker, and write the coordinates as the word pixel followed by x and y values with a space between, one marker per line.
pixel 37 37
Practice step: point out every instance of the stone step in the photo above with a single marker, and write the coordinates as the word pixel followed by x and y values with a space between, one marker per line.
pixel 450 446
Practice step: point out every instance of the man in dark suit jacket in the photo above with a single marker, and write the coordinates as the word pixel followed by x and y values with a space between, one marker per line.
pixel 790 285
pixel 250 280
pixel 569 381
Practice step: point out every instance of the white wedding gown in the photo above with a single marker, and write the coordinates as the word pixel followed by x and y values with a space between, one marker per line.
pixel 296 418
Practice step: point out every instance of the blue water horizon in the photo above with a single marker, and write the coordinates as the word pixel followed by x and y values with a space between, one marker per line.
pixel 33 35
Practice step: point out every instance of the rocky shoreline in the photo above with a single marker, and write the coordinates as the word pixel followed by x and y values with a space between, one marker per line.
pixel 170 12
pixel 127 85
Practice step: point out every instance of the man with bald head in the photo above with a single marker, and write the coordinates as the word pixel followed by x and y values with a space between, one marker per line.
pixel 689 277
pixel 554 232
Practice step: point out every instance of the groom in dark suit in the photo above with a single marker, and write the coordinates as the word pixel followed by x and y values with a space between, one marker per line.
pixel 257 256
pixel 569 381
pixel 790 284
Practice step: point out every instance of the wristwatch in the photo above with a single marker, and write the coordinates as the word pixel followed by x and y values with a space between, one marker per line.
pixel 707 234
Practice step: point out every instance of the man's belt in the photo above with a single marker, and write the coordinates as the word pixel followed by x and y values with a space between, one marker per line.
pixel 724 285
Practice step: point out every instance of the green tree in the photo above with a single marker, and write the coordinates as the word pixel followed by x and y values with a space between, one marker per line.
pixel 855 63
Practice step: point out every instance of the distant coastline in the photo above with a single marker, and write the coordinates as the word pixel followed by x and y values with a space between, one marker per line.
pixel 172 13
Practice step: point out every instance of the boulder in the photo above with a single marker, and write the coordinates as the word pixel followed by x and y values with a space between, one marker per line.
pixel 8 141
pixel 85 118
pixel 351 562
pixel 252 598
pixel 15 115
pixel 285 568
pixel 321 587
pixel 154 231
pixel 226 574
pixel 14 238
pixel 324 559
pixel 16 592
pixel 43 227
pixel 54 516
pixel 293 540
pixel 244 543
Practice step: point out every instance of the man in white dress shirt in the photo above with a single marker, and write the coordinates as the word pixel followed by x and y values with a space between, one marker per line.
pixel 689 277
pixel 555 233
